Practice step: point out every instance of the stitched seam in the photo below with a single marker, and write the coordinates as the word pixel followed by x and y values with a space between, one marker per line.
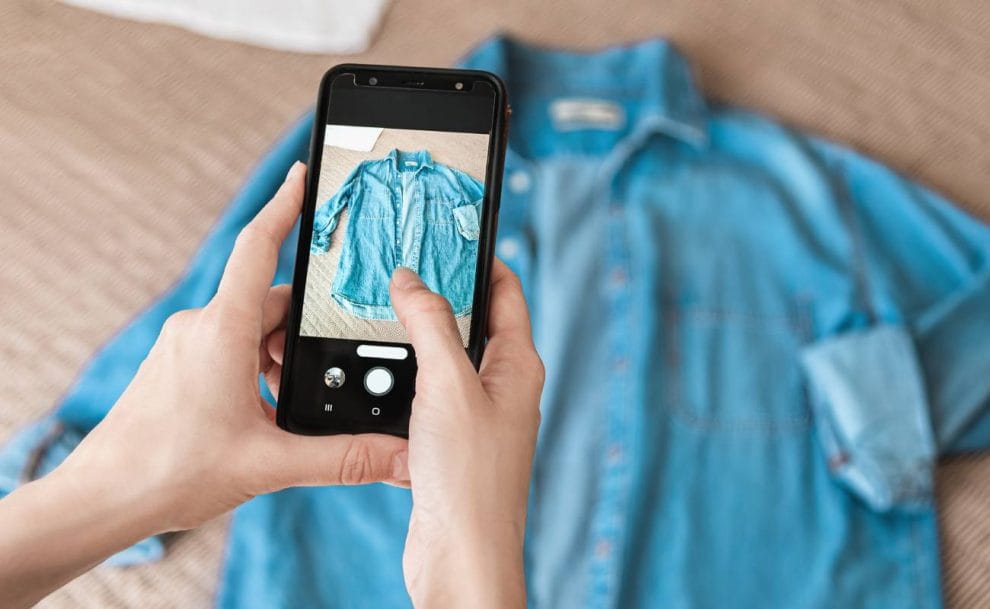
pixel 388 307
pixel 773 426
pixel 847 212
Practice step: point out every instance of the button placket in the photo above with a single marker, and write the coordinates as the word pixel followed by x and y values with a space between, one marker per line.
pixel 397 206
pixel 518 187
pixel 419 202
pixel 609 521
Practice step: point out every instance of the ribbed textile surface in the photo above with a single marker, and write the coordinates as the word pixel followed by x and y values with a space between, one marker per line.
pixel 122 142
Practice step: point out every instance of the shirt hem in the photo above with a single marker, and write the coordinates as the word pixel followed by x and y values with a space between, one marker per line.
pixel 378 312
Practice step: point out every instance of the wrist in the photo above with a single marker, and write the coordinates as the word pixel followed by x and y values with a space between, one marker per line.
pixel 58 527
pixel 110 496
pixel 470 566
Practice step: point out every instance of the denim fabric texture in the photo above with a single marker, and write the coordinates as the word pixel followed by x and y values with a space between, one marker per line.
pixel 404 210
pixel 756 341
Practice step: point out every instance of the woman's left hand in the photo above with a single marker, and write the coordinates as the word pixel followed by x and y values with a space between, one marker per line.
pixel 190 438
pixel 192 434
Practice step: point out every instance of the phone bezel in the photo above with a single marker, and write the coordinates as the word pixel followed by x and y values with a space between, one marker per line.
pixel 395 75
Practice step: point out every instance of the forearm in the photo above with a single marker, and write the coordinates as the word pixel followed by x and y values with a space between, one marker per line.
pixel 56 528
pixel 471 569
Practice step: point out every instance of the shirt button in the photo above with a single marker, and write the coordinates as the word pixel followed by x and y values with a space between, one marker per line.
pixel 519 182
pixel 508 248
pixel 603 548
pixel 618 277
pixel 614 453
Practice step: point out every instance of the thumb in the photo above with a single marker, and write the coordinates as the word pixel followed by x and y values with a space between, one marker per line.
pixel 333 460
pixel 428 320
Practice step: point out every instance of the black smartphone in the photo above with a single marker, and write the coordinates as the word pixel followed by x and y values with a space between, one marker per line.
pixel 405 169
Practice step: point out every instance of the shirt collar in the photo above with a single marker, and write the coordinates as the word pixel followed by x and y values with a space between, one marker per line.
pixel 652 74
pixel 402 160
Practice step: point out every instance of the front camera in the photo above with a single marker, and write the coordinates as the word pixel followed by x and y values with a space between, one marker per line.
pixel 459 86
pixel 372 81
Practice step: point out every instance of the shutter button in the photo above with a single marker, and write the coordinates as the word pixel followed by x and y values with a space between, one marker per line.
pixel 378 381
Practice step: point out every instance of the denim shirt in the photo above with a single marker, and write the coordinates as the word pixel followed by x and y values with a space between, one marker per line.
pixel 757 342
pixel 404 210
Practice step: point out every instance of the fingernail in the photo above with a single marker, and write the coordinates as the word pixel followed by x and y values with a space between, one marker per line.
pixel 400 466
pixel 405 278
pixel 294 171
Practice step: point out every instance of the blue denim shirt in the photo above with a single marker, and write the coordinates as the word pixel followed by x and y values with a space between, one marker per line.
pixel 404 210
pixel 757 342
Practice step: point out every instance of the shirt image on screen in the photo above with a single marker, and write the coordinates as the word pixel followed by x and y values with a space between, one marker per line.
pixel 388 198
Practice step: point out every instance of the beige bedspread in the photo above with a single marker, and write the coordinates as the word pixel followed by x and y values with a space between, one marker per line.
pixel 121 142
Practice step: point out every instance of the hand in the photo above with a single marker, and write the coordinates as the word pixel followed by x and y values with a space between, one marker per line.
pixel 471 442
pixel 192 430
pixel 191 436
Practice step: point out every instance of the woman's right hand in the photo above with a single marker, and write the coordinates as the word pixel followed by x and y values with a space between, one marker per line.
pixel 471 441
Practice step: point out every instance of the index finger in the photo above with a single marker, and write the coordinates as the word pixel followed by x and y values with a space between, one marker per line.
pixel 251 266
pixel 508 316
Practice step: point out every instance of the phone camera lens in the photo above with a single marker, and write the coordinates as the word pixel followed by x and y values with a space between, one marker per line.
pixel 372 81
pixel 458 85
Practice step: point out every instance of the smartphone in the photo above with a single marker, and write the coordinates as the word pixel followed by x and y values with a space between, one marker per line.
pixel 405 169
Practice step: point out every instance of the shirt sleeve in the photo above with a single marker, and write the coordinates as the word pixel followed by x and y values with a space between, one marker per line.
pixel 325 219
pixel 912 382
pixel 468 215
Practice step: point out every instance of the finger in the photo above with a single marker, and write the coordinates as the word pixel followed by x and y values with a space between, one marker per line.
pixel 265 361
pixel 274 348
pixel 508 316
pixel 511 367
pixel 273 378
pixel 273 315
pixel 276 345
pixel 428 320
pixel 251 266
pixel 276 308
pixel 342 459
pixel 400 470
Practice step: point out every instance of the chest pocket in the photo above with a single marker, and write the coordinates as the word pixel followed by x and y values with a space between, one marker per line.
pixel 438 212
pixel 736 372
pixel 374 200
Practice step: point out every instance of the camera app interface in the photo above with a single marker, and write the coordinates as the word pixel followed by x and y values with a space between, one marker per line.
pixel 401 182
pixel 389 198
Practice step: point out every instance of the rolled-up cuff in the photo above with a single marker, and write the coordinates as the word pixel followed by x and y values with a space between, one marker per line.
pixel 468 222
pixel 867 391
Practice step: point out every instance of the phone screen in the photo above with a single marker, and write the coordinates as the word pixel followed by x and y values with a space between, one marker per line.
pixel 402 173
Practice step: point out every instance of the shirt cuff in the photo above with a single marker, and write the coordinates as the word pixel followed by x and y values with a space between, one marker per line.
pixel 871 414
pixel 468 222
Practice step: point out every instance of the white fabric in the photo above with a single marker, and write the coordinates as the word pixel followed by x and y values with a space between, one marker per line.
pixel 361 139
pixel 309 26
